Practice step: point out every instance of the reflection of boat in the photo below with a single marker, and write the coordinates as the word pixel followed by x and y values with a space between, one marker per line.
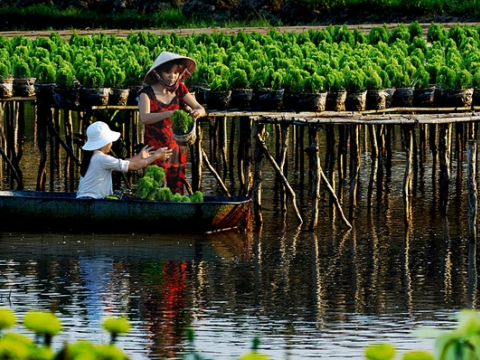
pixel 126 247
pixel 36 210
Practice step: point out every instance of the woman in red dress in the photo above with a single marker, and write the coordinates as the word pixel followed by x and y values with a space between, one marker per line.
pixel 164 94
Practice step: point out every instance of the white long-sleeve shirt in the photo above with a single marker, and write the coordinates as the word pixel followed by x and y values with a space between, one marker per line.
pixel 97 182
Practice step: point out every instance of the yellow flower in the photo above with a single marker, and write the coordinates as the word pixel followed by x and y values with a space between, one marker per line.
pixel 82 349
pixel 10 349
pixel 116 325
pixel 7 319
pixel 42 322
pixel 254 356
pixel 380 352
pixel 418 355
pixel 110 352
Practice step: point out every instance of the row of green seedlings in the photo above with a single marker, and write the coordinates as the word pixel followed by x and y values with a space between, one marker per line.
pixel 151 187
pixel 329 59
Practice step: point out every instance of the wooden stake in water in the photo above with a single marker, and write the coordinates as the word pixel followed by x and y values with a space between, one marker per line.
pixel 472 189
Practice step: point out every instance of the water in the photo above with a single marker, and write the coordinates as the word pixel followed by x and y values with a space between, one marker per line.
pixel 319 294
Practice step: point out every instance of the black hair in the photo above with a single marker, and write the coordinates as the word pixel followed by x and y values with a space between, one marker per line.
pixel 86 157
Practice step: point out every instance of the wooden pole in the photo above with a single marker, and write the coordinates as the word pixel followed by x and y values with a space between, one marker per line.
pixel 215 174
pixel 315 167
pixel 355 163
pixel 280 174
pixel 444 154
pixel 472 189
pixel 459 153
pixel 197 161
pixel 374 166
pixel 222 145
pixel 330 156
pixel 244 156
pixel 257 177
pixel 407 179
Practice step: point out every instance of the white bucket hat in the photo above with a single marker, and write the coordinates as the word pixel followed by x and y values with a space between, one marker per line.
pixel 99 135
pixel 166 56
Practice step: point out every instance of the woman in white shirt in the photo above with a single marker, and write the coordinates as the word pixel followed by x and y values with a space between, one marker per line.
pixel 97 164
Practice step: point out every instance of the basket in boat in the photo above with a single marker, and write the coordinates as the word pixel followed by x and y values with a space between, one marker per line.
pixel 186 139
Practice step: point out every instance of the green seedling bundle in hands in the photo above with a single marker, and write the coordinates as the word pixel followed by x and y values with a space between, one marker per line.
pixel 182 122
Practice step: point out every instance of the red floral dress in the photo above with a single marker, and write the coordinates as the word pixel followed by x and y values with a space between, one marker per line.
pixel 160 135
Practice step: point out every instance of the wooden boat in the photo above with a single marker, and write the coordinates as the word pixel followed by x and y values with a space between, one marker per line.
pixel 37 210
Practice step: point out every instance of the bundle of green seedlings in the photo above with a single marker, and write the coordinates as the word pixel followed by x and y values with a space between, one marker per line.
pixel 182 122
pixel 151 187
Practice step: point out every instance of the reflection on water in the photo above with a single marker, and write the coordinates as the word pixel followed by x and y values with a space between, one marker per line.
pixel 307 294
pixel 316 294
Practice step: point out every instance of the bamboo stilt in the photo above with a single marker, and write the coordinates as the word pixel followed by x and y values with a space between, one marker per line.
pixel 222 145
pixel 215 174
pixel 282 177
pixel 374 166
pixel 315 167
pixel 257 177
pixel 459 153
pixel 355 163
pixel 444 154
pixel 407 179
pixel 472 189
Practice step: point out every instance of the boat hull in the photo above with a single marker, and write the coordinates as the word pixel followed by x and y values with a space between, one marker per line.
pixel 36 210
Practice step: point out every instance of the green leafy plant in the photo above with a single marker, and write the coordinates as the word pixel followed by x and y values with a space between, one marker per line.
pixel 21 70
pixel 314 83
pixel 421 78
pixel 5 70
pixel 373 80
pixel 219 83
pixel 238 79
pixel 182 122
pixel 355 81
pixel 65 76
pixel 45 73
pixel 92 77
pixel 114 75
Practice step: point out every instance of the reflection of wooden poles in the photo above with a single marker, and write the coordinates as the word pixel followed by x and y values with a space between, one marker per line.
pixel 472 189
pixel 263 146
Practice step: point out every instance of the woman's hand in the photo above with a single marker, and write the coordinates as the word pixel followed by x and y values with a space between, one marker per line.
pixel 163 153
pixel 196 113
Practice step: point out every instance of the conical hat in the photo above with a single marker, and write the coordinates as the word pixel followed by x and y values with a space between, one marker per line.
pixel 166 56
